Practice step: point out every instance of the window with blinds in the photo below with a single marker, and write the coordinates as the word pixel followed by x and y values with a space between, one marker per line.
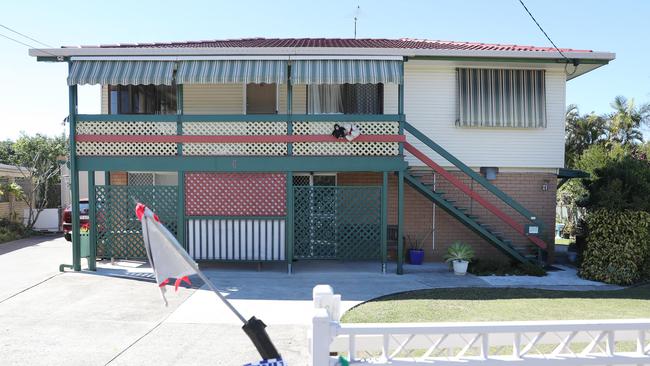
pixel 501 98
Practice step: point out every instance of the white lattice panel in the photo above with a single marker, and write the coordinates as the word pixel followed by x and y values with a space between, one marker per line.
pixel 125 148
pixel 235 149
pixel 346 148
pixel 126 128
pixel 326 128
pixel 235 128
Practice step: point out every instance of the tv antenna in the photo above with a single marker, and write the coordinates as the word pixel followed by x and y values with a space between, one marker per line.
pixel 357 12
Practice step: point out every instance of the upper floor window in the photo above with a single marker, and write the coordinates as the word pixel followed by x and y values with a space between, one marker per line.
pixel 345 98
pixel 502 98
pixel 142 99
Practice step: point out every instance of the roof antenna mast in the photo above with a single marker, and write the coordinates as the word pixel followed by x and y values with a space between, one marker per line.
pixel 356 17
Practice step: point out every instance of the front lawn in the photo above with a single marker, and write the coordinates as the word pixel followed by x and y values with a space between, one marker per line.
pixel 562 241
pixel 490 304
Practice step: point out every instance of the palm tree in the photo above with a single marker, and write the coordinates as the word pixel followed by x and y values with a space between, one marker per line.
pixel 626 121
pixel 582 132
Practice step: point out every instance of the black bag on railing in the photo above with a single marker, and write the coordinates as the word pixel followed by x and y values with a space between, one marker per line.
pixel 339 131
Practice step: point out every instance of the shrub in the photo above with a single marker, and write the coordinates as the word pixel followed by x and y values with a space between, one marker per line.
pixel 11 230
pixel 618 247
pixel 621 185
pixel 497 267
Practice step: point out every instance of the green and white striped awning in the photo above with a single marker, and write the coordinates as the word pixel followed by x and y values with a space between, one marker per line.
pixel 121 72
pixel 346 71
pixel 231 71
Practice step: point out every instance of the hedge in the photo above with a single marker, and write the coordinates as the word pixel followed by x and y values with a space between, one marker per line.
pixel 618 247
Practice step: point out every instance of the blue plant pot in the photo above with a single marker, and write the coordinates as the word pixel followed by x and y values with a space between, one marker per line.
pixel 416 256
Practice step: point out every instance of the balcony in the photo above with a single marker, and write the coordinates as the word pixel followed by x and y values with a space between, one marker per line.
pixel 271 141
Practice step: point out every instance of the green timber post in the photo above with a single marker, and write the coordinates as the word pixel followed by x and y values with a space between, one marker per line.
pixel 288 225
pixel 384 222
pixel 289 109
pixel 92 222
pixel 400 105
pixel 107 178
pixel 400 222
pixel 180 202
pixel 74 177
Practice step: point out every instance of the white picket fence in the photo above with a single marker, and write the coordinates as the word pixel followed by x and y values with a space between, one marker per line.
pixel 573 342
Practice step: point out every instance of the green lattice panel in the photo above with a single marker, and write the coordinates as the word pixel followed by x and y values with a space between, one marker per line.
pixel 337 223
pixel 119 233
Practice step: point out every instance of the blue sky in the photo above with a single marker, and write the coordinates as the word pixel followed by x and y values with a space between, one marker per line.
pixel 33 96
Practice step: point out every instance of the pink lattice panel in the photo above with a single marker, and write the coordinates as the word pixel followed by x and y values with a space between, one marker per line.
pixel 235 194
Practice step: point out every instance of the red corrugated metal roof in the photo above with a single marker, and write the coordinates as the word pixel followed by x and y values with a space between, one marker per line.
pixel 403 43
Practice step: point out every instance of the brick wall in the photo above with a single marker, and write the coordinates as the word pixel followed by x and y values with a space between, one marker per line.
pixel 419 213
pixel 119 178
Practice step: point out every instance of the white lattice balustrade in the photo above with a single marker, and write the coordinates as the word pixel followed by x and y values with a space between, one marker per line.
pixel 133 128
pixel 346 148
pixel 233 129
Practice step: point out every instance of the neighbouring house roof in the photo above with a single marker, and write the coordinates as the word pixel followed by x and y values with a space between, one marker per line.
pixel 7 170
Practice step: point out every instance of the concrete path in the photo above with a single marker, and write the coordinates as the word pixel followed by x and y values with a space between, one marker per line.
pixel 116 317
pixel 27 262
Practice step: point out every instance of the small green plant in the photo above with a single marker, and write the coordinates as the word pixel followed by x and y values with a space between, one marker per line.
pixel 416 241
pixel 459 251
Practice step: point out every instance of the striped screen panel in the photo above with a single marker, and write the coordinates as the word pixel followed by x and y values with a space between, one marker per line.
pixel 346 71
pixel 121 73
pixel 231 72
pixel 501 98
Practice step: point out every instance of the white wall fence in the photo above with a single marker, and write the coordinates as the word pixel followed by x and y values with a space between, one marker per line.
pixel 573 342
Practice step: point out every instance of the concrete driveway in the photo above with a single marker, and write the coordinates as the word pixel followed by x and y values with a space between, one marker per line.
pixel 116 317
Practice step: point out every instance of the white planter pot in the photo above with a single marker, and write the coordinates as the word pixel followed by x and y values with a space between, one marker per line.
pixel 460 267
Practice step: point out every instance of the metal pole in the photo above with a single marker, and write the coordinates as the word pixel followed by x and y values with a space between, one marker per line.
pixel 289 109
pixel 289 223
pixel 384 222
pixel 180 201
pixel 400 222
pixel 74 177
pixel 92 222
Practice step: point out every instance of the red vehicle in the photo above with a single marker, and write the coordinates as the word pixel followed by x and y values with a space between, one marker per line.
pixel 67 218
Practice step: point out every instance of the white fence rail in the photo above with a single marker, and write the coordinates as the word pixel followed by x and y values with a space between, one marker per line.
pixel 574 342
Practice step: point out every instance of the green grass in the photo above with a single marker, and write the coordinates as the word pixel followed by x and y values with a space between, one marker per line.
pixel 562 241
pixel 489 304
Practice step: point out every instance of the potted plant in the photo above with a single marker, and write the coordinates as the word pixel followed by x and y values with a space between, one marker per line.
pixel 415 242
pixel 459 254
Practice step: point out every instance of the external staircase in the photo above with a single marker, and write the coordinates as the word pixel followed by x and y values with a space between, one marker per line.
pixel 418 179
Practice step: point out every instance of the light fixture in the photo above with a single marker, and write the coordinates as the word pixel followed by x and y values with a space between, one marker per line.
pixel 545 185
pixel 489 172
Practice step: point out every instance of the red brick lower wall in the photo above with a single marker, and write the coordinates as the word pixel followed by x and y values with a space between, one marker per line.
pixel 419 212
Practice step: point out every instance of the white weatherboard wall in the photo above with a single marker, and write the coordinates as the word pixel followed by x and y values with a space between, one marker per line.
pixel 213 99
pixel 431 105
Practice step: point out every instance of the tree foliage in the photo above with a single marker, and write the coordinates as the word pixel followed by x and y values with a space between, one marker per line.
pixel 37 158
pixel 619 129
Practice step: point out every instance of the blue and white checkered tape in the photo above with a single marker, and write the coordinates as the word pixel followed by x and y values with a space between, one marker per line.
pixel 271 362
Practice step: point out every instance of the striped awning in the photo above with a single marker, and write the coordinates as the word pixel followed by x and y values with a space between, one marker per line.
pixel 121 72
pixel 231 71
pixel 346 71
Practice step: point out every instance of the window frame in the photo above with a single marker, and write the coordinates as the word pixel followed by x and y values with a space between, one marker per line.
pixel 174 92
